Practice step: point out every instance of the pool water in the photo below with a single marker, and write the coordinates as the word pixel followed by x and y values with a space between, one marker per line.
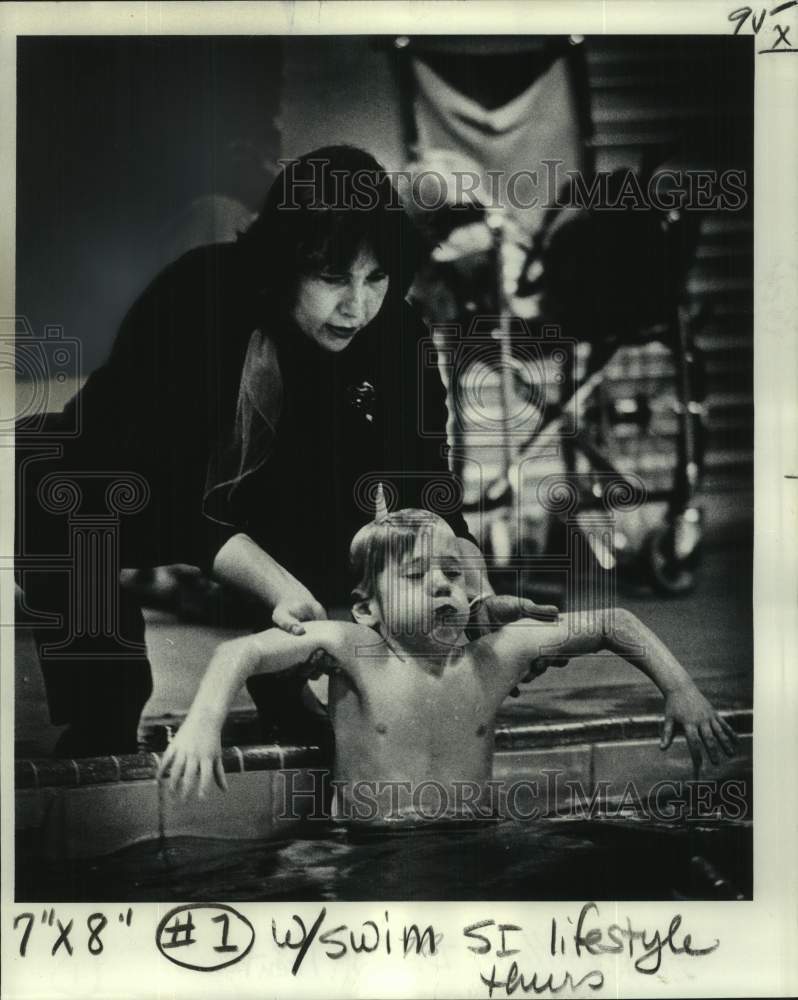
pixel 545 860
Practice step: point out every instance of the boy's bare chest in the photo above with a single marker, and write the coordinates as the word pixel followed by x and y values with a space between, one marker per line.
pixel 451 710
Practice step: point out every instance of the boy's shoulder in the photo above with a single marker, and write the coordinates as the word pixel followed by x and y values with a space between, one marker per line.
pixel 332 630
pixel 345 641
pixel 521 635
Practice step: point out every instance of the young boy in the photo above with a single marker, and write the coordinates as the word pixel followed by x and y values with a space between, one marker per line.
pixel 413 702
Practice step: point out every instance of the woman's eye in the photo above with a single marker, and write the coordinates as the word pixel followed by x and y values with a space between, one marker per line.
pixel 453 574
pixel 377 277
pixel 415 575
pixel 333 279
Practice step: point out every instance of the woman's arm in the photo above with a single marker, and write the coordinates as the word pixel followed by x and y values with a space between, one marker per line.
pixel 246 566
pixel 489 609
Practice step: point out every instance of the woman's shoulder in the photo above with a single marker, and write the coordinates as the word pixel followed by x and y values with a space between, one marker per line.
pixel 210 266
pixel 209 263
pixel 176 301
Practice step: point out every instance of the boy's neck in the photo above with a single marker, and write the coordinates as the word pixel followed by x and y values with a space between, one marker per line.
pixel 429 656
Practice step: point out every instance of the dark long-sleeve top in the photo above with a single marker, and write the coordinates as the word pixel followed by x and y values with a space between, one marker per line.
pixel 164 403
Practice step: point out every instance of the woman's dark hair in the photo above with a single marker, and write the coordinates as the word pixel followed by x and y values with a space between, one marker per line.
pixel 319 212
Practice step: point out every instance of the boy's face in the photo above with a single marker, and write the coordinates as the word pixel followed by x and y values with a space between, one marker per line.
pixel 422 597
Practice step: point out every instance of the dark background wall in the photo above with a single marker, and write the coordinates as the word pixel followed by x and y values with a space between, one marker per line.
pixel 117 137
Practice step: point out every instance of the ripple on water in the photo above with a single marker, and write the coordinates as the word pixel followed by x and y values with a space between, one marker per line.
pixel 548 859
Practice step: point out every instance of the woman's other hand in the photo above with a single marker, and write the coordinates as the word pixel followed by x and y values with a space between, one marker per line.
pixel 292 611
pixel 496 610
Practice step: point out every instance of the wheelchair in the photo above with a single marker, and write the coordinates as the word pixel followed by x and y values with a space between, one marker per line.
pixel 627 406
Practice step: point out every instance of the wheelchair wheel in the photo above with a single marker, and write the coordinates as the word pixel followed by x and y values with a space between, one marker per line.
pixel 670 573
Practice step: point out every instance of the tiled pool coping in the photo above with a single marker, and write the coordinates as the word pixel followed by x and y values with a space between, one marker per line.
pixel 68 809
pixel 66 772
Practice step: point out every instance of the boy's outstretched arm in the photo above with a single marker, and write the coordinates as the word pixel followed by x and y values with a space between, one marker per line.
pixel 622 633
pixel 195 755
pixel 625 635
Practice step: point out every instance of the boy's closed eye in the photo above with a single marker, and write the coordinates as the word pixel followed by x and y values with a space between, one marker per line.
pixel 417 570
pixel 452 569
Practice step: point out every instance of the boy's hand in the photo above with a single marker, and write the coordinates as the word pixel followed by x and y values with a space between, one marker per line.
pixel 291 612
pixel 194 757
pixel 703 728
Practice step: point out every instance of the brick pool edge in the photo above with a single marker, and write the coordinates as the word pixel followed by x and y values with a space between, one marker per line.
pixel 85 808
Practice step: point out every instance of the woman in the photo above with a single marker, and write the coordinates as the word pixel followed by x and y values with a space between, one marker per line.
pixel 261 389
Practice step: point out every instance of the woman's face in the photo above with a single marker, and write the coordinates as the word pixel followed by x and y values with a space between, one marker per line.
pixel 333 307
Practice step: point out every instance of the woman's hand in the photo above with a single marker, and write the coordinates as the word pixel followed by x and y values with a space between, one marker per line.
pixel 496 610
pixel 194 757
pixel 242 563
pixel 703 728
pixel 292 611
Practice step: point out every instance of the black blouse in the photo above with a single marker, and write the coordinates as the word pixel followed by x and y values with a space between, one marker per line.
pixel 166 398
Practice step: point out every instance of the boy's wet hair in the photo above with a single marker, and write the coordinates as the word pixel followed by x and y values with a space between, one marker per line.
pixel 386 538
